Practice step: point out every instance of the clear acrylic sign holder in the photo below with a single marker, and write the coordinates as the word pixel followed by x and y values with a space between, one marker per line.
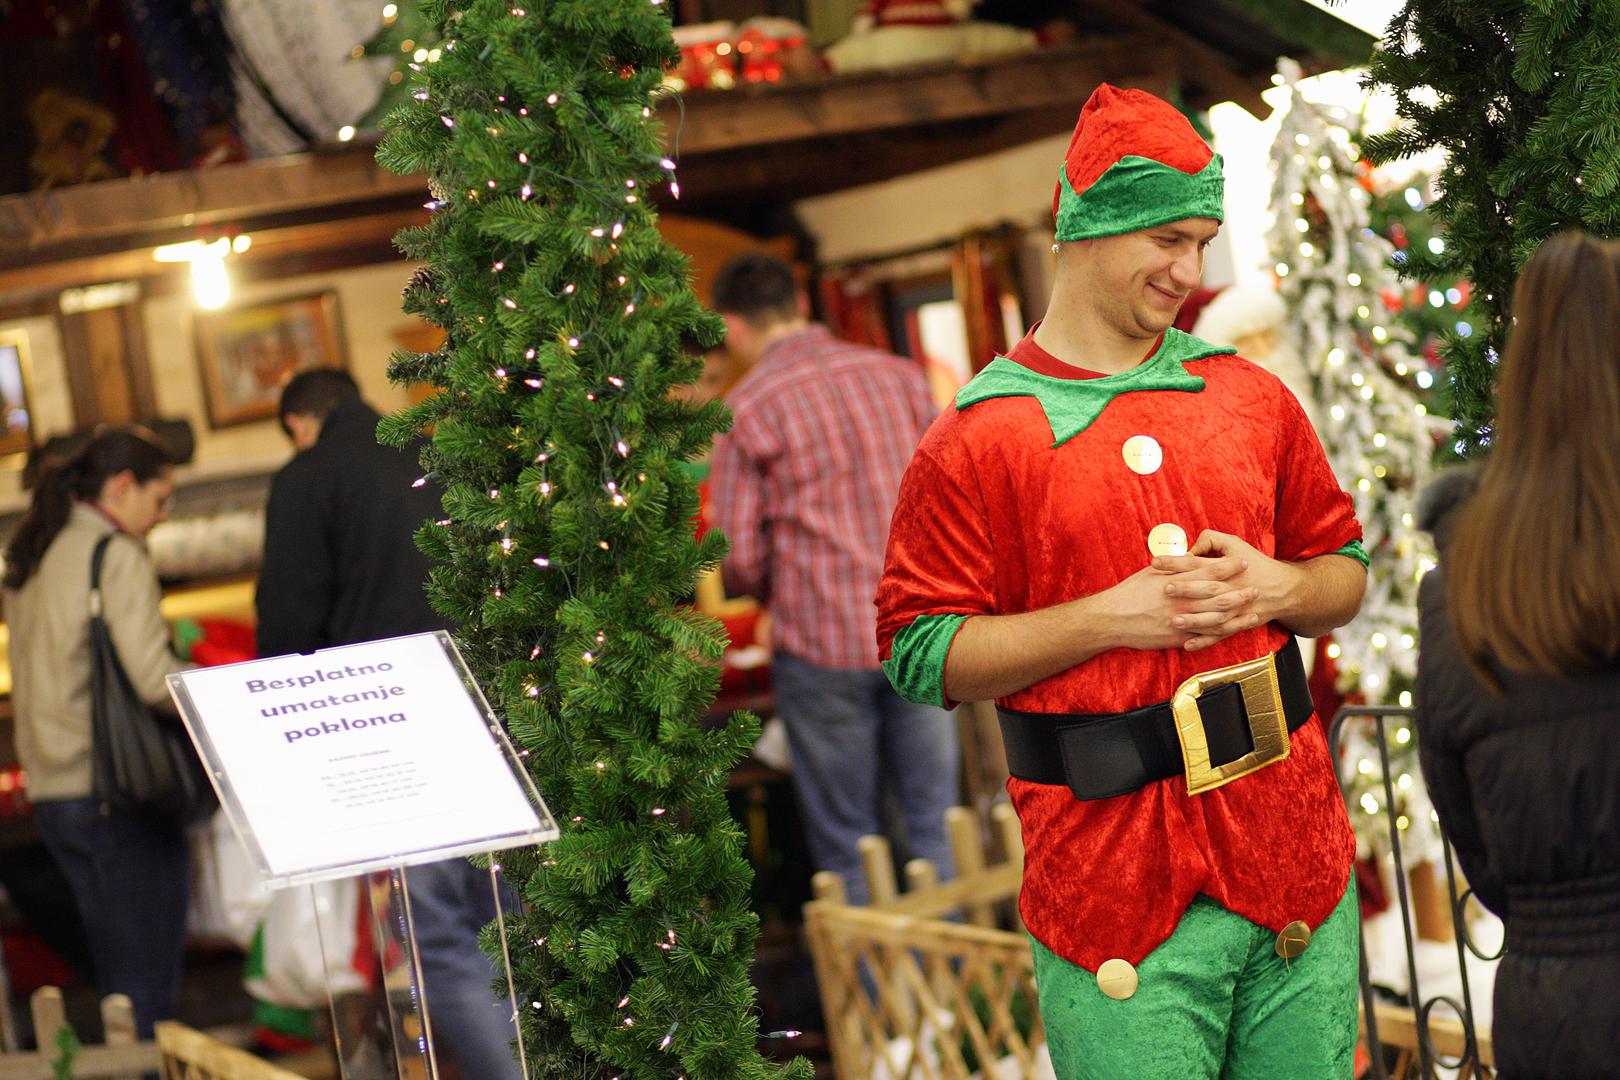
pixel 359 762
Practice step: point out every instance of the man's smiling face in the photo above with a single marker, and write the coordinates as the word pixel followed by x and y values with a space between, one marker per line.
pixel 1142 278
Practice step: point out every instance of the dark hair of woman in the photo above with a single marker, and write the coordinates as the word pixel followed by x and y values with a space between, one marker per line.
pixel 80 478
pixel 1530 576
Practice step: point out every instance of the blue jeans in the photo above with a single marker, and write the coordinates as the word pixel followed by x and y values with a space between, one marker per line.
pixel 131 878
pixel 854 741
pixel 472 1024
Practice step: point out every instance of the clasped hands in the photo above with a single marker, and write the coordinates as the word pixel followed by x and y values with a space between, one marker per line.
pixel 1222 586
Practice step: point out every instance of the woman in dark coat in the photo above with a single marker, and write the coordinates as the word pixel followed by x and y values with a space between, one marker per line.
pixel 1518 692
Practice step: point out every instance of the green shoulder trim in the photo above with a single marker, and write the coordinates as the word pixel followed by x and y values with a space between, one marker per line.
pixel 1355 550
pixel 916 663
pixel 1138 193
pixel 1072 404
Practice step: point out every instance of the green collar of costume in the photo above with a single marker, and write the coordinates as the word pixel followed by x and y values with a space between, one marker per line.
pixel 1138 193
pixel 1072 404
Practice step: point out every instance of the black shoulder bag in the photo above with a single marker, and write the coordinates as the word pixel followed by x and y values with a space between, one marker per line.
pixel 139 765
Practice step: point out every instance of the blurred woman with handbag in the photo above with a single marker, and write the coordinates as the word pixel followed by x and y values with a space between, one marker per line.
pixel 129 872
pixel 1518 689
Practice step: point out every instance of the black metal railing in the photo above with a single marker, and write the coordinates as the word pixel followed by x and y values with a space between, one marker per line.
pixel 1469 1061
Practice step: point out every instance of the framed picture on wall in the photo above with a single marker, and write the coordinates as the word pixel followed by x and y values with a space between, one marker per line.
pixel 248 352
pixel 16 424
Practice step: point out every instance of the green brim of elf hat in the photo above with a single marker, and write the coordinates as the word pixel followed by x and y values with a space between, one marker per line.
pixel 1134 162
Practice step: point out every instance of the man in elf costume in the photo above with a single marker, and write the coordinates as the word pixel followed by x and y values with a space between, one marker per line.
pixel 1115 534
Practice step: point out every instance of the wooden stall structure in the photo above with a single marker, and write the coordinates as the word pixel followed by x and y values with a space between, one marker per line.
pixel 122 1057
pixel 189 1054
pixel 909 995
pixel 937 982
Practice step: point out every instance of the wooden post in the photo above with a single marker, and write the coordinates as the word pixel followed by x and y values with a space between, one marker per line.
pixel 878 862
pixel 49 1017
pixel 1431 907
pixel 118 1021
pixel 967 848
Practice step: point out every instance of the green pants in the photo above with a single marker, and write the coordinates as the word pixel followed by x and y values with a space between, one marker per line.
pixel 1214 1002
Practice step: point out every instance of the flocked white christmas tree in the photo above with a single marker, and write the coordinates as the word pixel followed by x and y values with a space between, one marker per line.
pixel 1364 375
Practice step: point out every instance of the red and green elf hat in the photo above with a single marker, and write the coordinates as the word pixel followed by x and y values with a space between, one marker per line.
pixel 1134 162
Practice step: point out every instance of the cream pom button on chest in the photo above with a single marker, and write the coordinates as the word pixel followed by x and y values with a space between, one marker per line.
pixel 1117 979
pixel 1143 454
pixel 1167 539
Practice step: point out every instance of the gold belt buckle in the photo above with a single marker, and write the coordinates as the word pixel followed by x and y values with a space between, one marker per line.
pixel 1262 703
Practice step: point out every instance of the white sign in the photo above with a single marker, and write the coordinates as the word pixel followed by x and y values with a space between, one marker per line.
pixel 358 758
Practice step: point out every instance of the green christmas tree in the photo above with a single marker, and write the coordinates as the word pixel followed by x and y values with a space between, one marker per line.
pixel 567 549
pixel 1524 97
pixel 1427 312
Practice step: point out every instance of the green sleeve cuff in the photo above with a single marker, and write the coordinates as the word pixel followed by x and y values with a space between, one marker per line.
pixel 1354 550
pixel 916 663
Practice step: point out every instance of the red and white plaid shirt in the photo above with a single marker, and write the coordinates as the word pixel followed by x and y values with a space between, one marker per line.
pixel 805 482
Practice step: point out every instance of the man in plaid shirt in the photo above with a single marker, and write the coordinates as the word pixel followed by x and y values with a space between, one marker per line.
pixel 804 485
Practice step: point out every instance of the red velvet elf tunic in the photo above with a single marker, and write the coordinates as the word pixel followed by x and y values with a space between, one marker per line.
pixel 1037 489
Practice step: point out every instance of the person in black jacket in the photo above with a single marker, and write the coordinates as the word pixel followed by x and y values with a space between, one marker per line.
pixel 1518 688
pixel 341 566
pixel 340 562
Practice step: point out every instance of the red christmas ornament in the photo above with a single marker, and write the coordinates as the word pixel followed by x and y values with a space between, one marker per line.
pixel 708 57
pixel 1397 235
pixel 1364 176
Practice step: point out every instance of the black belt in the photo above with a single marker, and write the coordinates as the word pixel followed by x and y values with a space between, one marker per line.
pixel 1101 755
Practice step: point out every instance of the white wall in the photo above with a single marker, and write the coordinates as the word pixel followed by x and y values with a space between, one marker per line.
pixel 368 307
pixel 941 204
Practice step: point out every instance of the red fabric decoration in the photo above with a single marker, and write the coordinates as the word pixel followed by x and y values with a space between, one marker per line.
pixel 907 13
pixel 993 519
pixel 1371 891
pixel 853 310
pixel 1324 680
pixel 1114 123
pixel 1187 317
pixel 224 641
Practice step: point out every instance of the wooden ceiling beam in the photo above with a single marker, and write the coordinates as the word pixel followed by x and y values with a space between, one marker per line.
pixel 836 106
pixel 717 184
pixel 193 200
pixel 1200 62
pixel 348 238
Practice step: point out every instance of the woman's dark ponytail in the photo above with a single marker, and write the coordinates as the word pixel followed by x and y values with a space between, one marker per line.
pixel 79 479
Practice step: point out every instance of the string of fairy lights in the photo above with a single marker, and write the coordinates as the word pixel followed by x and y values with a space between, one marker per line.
pixel 1367 377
